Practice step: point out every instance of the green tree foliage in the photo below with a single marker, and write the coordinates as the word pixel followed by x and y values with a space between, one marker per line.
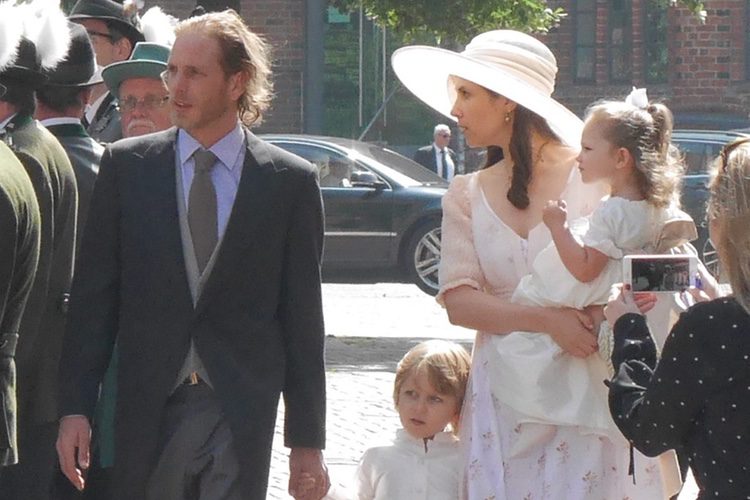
pixel 460 21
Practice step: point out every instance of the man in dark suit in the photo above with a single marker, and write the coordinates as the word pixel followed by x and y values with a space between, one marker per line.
pixel 114 28
pixel 438 157
pixel 60 105
pixel 42 325
pixel 202 260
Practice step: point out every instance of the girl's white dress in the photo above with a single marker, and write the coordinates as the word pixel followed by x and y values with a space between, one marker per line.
pixel 514 448
pixel 408 469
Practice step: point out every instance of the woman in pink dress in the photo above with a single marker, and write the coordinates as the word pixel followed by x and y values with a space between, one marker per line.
pixel 499 90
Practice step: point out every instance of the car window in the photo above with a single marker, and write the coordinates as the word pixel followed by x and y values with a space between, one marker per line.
pixel 696 157
pixel 333 168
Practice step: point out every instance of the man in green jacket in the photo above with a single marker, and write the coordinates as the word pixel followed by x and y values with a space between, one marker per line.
pixel 41 330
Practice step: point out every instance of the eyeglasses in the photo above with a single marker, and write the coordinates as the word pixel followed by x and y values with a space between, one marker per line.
pixel 445 135
pixel 727 150
pixel 150 102
pixel 93 33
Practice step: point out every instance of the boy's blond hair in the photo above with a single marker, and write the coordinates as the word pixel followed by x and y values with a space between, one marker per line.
pixel 446 365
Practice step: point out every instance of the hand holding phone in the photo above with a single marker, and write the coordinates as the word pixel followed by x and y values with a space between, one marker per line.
pixel 660 273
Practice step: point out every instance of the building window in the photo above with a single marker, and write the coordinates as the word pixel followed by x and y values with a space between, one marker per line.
pixel 585 41
pixel 620 33
pixel 655 42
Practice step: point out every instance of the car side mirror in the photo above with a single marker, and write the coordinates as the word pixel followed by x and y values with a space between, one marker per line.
pixel 366 180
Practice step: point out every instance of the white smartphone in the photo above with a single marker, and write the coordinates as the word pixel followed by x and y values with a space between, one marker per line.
pixel 660 273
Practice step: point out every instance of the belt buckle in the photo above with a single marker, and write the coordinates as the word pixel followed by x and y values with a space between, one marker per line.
pixel 193 378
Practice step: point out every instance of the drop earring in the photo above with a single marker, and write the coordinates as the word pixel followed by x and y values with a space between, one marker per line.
pixel 507 117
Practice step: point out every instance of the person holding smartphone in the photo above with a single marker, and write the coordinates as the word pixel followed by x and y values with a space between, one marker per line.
pixel 695 399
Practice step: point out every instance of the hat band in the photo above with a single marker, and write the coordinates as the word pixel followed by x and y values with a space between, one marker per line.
pixel 538 73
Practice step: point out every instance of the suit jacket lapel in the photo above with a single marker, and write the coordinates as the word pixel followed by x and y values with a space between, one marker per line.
pixel 250 206
pixel 159 183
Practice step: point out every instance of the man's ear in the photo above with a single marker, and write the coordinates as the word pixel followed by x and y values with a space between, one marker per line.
pixel 237 84
pixel 123 49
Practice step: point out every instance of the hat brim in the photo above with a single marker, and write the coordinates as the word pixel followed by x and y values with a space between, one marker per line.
pixel 425 71
pixel 116 73
pixel 130 31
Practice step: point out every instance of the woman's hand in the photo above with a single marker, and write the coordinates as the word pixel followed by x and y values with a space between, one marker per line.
pixel 572 330
pixel 622 301
pixel 707 288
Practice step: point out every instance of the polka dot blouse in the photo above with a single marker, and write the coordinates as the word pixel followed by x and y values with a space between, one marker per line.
pixel 696 400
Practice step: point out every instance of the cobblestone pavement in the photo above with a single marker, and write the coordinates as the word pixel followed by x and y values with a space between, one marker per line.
pixel 369 328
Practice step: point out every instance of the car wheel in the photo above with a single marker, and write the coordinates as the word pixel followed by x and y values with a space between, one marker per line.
pixel 710 258
pixel 422 256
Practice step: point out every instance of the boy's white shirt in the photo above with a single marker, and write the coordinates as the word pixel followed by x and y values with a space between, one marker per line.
pixel 427 476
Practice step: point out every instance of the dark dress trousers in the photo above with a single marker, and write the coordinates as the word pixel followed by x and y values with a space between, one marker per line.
pixel 426 157
pixel 257 326
pixel 20 227
pixel 42 325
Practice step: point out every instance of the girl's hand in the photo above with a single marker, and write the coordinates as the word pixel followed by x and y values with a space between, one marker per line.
pixel 554 214
pixel 622 301
pixel 571 329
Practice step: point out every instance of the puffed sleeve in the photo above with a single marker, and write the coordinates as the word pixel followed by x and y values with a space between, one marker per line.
pixel 459 264
pixel 603 228
pixel 655 406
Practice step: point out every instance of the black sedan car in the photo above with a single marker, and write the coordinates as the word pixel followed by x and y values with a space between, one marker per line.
pixel 700 148
pixel 382 210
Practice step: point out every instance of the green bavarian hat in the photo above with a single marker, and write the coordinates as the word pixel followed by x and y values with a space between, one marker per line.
pixel 149 60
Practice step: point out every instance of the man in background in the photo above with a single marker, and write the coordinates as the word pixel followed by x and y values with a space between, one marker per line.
pixel 41 329
pixel 60 105
pixel 114 29
pixel 20 227
pixel 438 157
pixel 140 91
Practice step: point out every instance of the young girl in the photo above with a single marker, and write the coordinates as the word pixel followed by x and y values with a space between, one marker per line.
pixel 424 460
pixel 627 147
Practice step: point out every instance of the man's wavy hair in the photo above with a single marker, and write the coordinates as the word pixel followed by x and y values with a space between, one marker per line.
pixel 242 52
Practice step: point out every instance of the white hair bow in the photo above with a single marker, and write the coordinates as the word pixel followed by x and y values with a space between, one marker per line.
pixel 637 98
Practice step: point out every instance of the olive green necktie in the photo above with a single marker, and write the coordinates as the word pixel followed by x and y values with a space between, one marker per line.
pixel 202 217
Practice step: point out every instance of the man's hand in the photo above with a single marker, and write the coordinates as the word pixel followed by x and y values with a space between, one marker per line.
pixel 73 440
pixel 554 214
pixel 308 475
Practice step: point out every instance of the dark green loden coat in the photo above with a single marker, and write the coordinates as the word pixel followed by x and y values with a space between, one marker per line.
pixel 20 227
pixel 43 323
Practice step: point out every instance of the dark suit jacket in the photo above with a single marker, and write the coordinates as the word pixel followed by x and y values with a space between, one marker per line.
pixel 426 157
pixel 43 322
pixel 20 227
pixel 106 127
pixel 84 154
pixel 258 325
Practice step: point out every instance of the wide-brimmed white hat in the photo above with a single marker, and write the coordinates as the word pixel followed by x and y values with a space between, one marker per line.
pixel 510 63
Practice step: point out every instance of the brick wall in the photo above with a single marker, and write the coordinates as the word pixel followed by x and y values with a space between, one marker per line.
pixel 282 24
pixel 706 76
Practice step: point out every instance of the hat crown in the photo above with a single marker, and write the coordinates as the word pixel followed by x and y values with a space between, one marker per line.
pixel 147 51
pixel 518 54
pixel 79 65
pixel 109 10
